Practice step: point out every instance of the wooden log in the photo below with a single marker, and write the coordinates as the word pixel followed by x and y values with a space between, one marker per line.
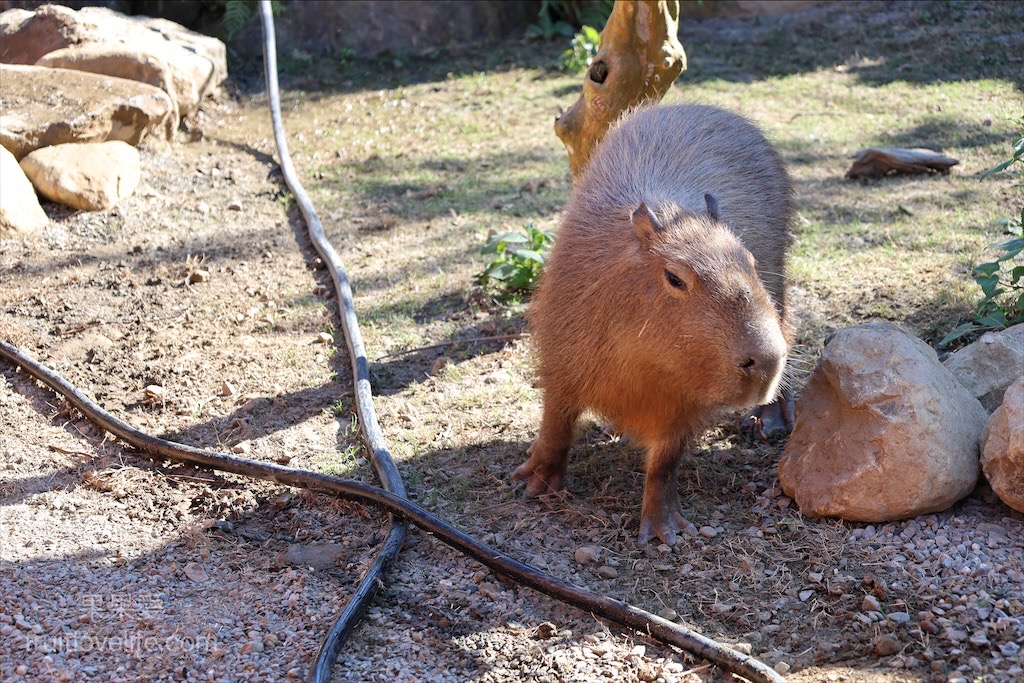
pixel 639 58
pixel 876 162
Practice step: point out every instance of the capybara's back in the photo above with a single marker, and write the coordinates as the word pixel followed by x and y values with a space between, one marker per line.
pixel 663 299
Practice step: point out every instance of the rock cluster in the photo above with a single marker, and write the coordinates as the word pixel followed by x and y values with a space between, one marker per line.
pixel 884 431
pixel 92 76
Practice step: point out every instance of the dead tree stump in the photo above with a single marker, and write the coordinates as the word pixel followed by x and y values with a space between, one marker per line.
pixel 639 58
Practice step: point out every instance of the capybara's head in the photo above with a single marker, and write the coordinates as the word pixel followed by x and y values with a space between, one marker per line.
pixel 706 317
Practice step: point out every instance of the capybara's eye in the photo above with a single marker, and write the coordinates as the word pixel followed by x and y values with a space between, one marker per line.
pixel 674 281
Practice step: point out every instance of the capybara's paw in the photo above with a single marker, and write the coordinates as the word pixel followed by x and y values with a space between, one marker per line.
pixel 775 418
pixel 540 477
pixel 664 523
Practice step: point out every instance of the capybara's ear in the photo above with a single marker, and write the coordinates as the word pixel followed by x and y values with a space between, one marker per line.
pixel 646 224
pixel 712 206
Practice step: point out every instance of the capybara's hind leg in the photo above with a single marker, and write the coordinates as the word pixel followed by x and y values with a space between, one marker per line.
pixel 660 514
pixel 544 470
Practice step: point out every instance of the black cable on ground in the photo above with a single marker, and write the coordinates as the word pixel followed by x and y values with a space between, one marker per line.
pixel 620 612
pixel 391 481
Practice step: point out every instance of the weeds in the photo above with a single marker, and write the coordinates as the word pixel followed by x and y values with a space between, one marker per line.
pixel 1002 303
pixel 518 261
pixel 582 50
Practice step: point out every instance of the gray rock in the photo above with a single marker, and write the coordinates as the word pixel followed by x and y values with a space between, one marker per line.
pixel 883 431
pixel 88 176
pixel 44 107
pixel 1002 447
pixel 19 207
pixel 990 364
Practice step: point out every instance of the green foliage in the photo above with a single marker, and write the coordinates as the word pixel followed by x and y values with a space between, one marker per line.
pixel 345 56
pixel 1002 302
pixel 583 12
pixel 559 17
pixel 238 12
pixel 547 27
pixel 582 50
pixel 518 261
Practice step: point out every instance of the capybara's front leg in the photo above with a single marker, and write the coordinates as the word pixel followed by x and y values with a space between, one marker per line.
pixel 544 471
pixel 660 514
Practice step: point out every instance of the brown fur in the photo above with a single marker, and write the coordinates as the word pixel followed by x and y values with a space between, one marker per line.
pixel 614 335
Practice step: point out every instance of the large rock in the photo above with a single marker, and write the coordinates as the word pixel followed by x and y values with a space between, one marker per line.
pixel 188 65
pixel 87 176
pixel 45 106
pixel 128 64
pixel 19 206
pixel 990 364
pixel 883 431
pixel 1002 448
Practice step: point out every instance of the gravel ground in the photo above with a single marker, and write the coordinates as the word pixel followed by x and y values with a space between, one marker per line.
pixel 116 568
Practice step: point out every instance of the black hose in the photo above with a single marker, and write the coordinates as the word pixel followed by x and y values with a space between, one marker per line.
pixel 614 610
pixel 391 481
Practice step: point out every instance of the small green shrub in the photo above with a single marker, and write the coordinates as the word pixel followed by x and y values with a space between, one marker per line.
pixel 582 50
pixel 517 264
pixel 1002 303
pixel 235 14
pixel 548 25
pixel 560 17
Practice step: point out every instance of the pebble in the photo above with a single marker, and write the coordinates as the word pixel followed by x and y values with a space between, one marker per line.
pixel 156 392
pixel 870 604
pixel 606 572
pixel 886 645
pixel 196 573
pixel 440 363
pixel 588 554
pixel 708 531
pixel 199 275
pixel 782 667
pixel 546 630
pixel 325 338
pixel 899 617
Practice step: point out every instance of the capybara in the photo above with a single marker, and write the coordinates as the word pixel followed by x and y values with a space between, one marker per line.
pixel 663 300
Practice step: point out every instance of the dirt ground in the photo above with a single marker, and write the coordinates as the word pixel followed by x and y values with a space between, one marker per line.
pixel 195 311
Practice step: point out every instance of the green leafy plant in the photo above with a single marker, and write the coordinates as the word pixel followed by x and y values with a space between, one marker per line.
pixel 582 50
pixel 518 261
pixel 237 13
pixel 1002 302
pixel 548 25
pixel 560 17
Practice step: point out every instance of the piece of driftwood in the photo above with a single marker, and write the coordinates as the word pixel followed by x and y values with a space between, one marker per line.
pixel 876 162
pixel 639 58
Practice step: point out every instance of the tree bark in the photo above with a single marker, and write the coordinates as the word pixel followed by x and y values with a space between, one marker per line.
pixel 639 58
